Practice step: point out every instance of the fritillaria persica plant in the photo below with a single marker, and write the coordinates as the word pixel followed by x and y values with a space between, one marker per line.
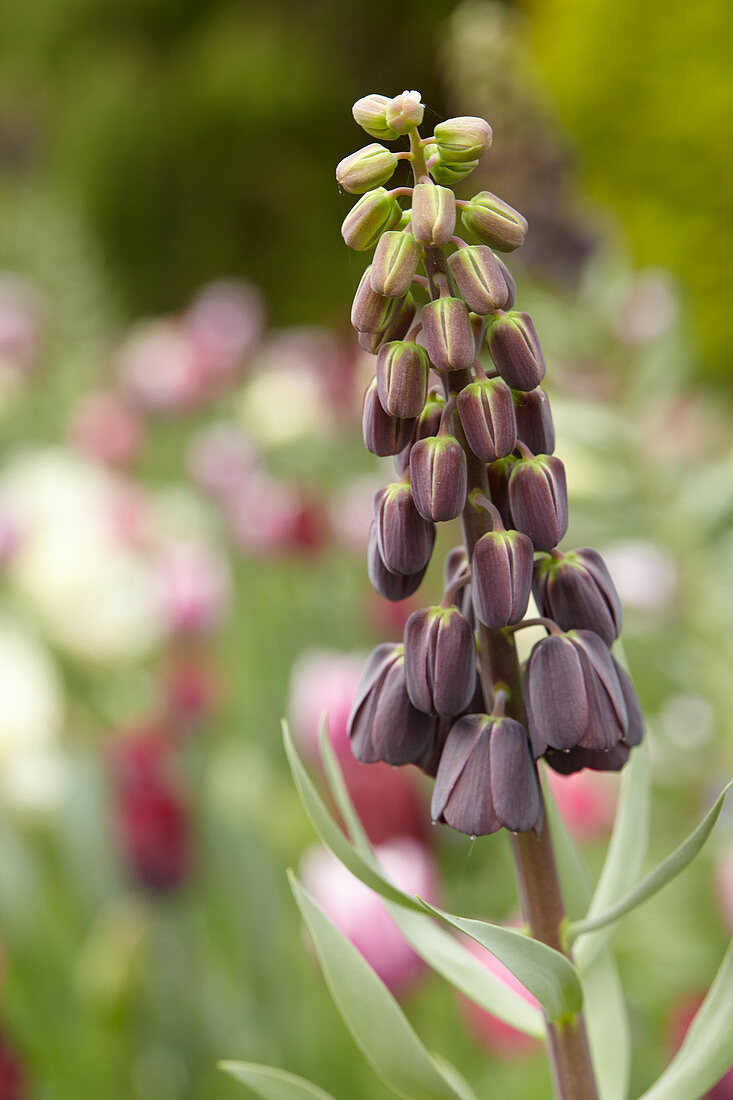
pixel 457 400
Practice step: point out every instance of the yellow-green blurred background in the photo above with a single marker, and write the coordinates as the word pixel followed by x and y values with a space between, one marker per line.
pixel 149 148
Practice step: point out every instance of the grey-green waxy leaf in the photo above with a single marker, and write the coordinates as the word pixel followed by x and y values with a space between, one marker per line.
pixel 375 1020
pixel 662 874
pixel 707 1051
pixel 546 973
pixel 435 946
pixel 274 1084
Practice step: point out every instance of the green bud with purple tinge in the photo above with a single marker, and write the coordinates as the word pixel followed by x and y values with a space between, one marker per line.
pixel 397 328
pixel 448 335
pixel 372 312
pixel 535 427
pixel 383 434
pixel 395 263
pixel 480 279
pixel 433 213
pixel 439 477
pixel 538 499
pixel 371 114
pixel 404 112
pixel 366 169
pixel 486 409
pixel 402 378
pixel 375 213
pixel 404 538
pixel 576 591
pixel 450 174
pixel 515 349
pixel 494 222
pixel 462 139
pixel 501 577
pixel 440 661
pixel 393 586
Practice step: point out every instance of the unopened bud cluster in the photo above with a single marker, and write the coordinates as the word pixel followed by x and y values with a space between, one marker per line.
pixel 469 438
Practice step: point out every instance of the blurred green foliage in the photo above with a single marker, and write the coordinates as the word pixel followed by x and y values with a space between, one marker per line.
pixel 198 139
pixel 646 90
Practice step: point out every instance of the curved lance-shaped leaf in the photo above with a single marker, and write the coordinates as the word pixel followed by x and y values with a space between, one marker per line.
pixel 707 1051
pixel 379 1026
pixel 274 1084
pixel 543 971
pixel 627 849
pixel 668 869
pixel 438 948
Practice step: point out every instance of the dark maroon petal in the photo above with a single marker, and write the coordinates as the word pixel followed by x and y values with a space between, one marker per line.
pixel 393 586
pixel 635 729
pixel 516 350
pixel 514 790
pixel 502 577
pixel 447 334
pixel 535 427
pixel 603 666
pixel 402 378
pixel 486 410
pixel 510 284
pixel 538 500
pixel 499 476
pixel 577 592
pixel 567 763
pixel 461 739
pixel 439 478
pixel 479 277
pixel 440 661
pixel 400 733
pixel 456 565
pixel 372 312
pixel 404 539
pixel 469 808
pixel 383 434
pixel 362 710
pixel 556 693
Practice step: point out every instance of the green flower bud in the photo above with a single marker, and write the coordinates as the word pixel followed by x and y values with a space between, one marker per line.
pixel 448 173
pixel 375 213
pixel 433 213
pixel 395 263
pixel 397 328
pixel 478 276
pixel 372 312
pixel 404 112
pixel 462 139
pixel 494 222
pixel 371 114
pixel 366 169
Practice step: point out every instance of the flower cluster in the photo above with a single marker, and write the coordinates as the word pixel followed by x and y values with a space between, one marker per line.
pixel 474 441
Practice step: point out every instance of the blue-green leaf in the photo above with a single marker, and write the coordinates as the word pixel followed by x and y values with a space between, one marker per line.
pixel 274 1084
pixel 607 1022
pixel 574 877
pixel 707 1051
pixel 365 868
pixel 546 973
pixel 377 1023
pixel 668 869
pixel 438 948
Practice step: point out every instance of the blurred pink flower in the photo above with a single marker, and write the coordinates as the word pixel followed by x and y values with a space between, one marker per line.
pixel 351 511
pixel 157 366
pixel 19 323
pixel 191 692
pixel 650 309
pixel 225 322
pixel 221 459
pixel 644 574
pixel 107 428
pixel 10 535
pixel 268 515
pixel 13 1078
pixel 361 914
pixel 323 680
pixel 500 1038
pixel 724 887
pixel 680 1017
pixel 586 802
pixel 193 588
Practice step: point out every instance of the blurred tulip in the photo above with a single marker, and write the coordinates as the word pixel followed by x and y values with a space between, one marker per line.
pixel 586 801
pixel 351 511
pixel 503 1040
pixel 106 428
pixel 361 915
pixel 157 367
pixel 680 1017
pixel 152 815
pixel 323 680
pixel 191 691
pixel 220 460
pixel 194 585
pixel 269 515
pixel 225 322
pixel 14 1083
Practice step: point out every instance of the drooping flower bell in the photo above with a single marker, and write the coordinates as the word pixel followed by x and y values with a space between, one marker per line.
pixel 440 660
pixel 438 473
pixel 535 427
pixel 383 434
pixel 515 349
pixel 366 169
pixel 404 538
pixel 393 586
pixel 538 498
pixel 383 724
pixel 479 277
pixel 576 591
pixel 501 573
pixel 447 334
pixel 395 263
pixel 486 409
pixel 402 378
pixel 494 222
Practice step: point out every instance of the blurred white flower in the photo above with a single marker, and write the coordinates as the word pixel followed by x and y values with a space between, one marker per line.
pixel 32 770
pixel 19 322
pixel 645 575
pixel 687 720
